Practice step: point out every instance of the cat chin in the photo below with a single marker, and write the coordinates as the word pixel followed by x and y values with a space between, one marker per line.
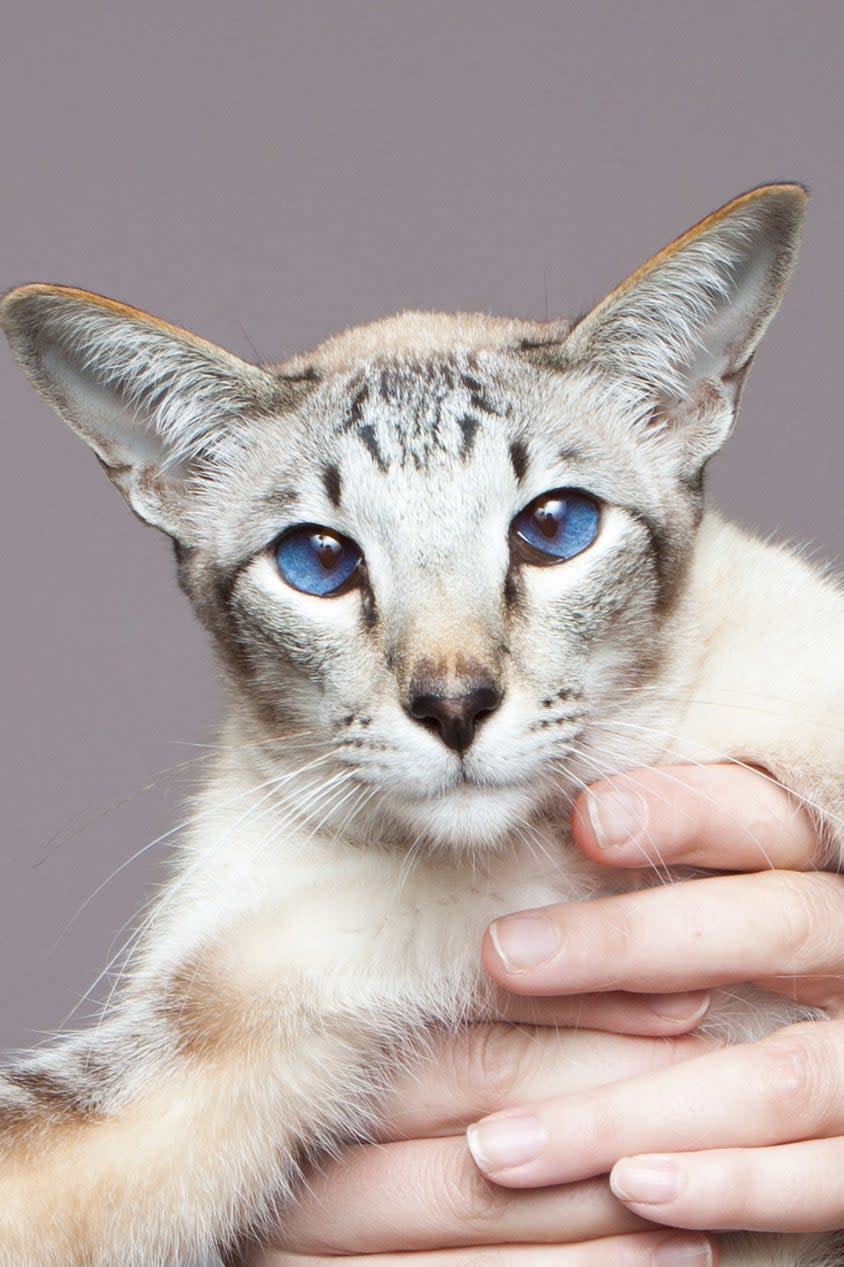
pixel 467 818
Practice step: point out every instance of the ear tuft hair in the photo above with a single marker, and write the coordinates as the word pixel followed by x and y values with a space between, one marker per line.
pixel 687 323
pixel 148 397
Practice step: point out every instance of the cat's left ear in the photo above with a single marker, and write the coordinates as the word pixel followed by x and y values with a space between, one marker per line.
pixel 153 401
pixel 681 333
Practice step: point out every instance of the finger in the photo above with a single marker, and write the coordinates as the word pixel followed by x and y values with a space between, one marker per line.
pixel 615 1012
pixel 783 1089
pixel 791 1188
pixel 652 1249
pixel 723 817
pixel 645 1249
pixel 780 929
pixel 431 1195
pixel 485 1068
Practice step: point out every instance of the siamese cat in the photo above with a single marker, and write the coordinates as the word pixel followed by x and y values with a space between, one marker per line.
pixel 455 568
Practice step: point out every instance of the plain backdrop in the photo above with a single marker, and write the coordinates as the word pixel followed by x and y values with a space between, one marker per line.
pixel 268 172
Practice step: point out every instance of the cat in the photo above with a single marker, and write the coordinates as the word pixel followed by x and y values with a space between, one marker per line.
pixel 455 568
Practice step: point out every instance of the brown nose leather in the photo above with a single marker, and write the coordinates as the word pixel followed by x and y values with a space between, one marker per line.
pixel 455 716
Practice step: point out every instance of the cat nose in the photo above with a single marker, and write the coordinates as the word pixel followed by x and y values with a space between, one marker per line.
pixel 456 716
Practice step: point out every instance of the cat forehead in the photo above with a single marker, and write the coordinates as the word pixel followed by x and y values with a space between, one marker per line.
pixel 429 416
pixel 435 429
pixel 423 389
pixel 447 411
pixel 418 411
pixel 421 335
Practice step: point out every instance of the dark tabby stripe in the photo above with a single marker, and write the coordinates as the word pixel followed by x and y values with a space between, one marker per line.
pixel 519 459
pixel 333 484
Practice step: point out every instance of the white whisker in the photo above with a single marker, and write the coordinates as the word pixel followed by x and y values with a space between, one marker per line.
pixel 718 755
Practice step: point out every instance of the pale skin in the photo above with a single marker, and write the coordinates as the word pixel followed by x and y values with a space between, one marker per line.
pixel 683 1134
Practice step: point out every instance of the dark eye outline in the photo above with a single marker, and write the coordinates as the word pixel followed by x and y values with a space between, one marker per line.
pixel 352 580
pixel 527 552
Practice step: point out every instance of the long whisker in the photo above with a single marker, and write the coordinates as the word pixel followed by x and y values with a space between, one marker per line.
pixel 180 881
pixel 718 755
pixel 666 775
pixel 60 837
pixel 192 821
pixel 654 861
pixel 730 700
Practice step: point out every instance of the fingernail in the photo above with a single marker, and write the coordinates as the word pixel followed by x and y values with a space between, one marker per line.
pixel 524 941
pixel 683 1250
pixel 645 1180
pixel 499 1143
pixel 617 814
pixel 680 1007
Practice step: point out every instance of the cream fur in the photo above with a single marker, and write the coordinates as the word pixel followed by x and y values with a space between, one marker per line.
pixel 342 863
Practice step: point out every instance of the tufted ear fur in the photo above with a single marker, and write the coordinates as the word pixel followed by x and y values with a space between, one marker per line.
pixel 150 399
pixel 681 332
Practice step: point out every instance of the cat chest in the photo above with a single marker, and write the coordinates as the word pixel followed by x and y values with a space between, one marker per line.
pixel 371 931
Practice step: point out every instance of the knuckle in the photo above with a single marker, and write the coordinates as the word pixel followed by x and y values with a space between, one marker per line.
pixel 465 1198
pixel 489 1063
pixel 598 1119
pixel 799 914
pixel 797 1077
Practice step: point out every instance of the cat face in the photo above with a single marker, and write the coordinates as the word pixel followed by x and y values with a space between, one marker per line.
pixel 465 666
pixel 438 550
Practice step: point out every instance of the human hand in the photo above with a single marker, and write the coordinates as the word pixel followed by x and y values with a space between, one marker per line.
pixel 418 1190
pixel 746 1137
pixel 418 1194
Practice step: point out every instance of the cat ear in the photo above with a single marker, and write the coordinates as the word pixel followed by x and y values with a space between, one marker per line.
pixel 149 398
pixel 682 331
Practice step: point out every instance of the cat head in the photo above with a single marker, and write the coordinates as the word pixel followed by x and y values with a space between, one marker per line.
pixel 436 550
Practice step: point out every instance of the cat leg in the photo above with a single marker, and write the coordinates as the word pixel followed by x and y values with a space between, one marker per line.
pixel 133 1145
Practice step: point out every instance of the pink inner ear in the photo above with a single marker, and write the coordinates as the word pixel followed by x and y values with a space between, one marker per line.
pixel 144 395
pixel 114 431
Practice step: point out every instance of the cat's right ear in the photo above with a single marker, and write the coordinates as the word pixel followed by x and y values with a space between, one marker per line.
pixel 149 398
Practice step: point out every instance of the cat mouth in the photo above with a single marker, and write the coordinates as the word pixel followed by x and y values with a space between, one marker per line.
pixel 466 785
pixel 470 787
pixel 470 813
pixel 466 779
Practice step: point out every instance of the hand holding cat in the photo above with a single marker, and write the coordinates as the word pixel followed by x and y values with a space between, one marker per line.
pixel 602 1096
pixel 749 1136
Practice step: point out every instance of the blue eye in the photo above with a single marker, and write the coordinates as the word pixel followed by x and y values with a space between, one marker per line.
pixel 556 526
pixel 317 561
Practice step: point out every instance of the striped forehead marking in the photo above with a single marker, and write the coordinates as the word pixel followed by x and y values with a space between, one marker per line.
pixel 414 412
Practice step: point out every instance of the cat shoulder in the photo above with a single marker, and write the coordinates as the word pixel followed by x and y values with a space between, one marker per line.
pixel 770 687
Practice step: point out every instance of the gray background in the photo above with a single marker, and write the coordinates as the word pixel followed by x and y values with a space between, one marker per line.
pixel 265 173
